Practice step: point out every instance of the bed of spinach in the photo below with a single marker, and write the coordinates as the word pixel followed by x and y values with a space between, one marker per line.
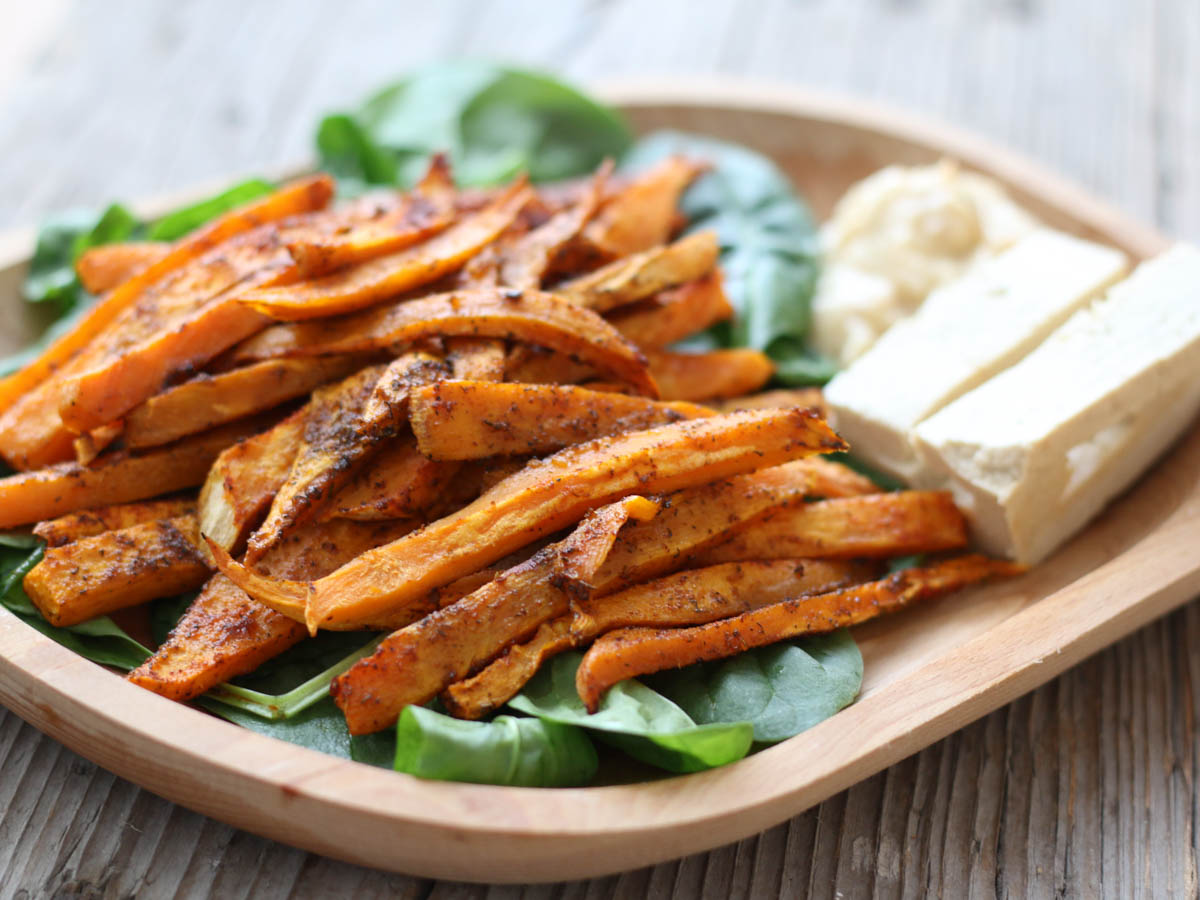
pixel 496 122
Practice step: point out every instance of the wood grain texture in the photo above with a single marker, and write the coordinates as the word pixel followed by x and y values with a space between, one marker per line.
pixel 1085 787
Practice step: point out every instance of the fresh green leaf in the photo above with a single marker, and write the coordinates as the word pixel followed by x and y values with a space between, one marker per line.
pixel 176 224
pixel 508 750
pixel 638 720
pixel 769 247
pixel 493 121
pixel 99 639
pixel 781 690
pixel 60 243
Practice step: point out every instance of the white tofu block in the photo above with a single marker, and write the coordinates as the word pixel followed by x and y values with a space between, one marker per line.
pixel 850 310
pixel 965 333
pixel 1037 451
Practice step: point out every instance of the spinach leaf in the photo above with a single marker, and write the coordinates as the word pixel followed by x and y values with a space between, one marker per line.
pixel 508 750
pixel 634 718
pixel 60 243
pixel 99 640
pixel 493 121
pixel 781 690
pixel 769 247
pixel 182 221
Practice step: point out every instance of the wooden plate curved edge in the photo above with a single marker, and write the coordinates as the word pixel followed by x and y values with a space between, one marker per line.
pixel 1132 566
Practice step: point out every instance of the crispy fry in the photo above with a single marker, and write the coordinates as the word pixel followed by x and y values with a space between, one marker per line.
pixel 530 364
pixel 874 525
pixel 676 313
pixel 385 412
pixel 530 316
pixel 476 359
pixel 525 264
pixel 428 210
pixel 644 213
pixel 693 597
pixel 333 444
pixel 810 398
pixel 114 478
pixel 640 276
pixel 631 652
pixel 224 633
pixel 435 650
pixel 544 496
pixel 380 279
pixel 582 554
pixel 32 432
pixel 473 420
pixel 102 268
pixel 74 526
pixel 705 376
pixel 399 481
pixel 211 400
pixel 89 446
pixel 105 572
pixel 244 478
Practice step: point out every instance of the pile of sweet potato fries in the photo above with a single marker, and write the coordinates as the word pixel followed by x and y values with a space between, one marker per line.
pixel 448 415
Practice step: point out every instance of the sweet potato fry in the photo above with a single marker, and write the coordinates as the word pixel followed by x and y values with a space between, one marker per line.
pixel 114 478
pixel 693 597
pixel 630 652
pixel 809 398
pixel 239 486
pixel 530 364
pixel 298 197
pixel 476 359
pixel 332 445
pixel 399 481
pixel 676 313
pixel 383 278
pixel 530 316
pixel 211 400
pixel 543 497
pixel 118 334
pixel 102 268
pixel 385 412
pixel 105 572
pixel 428 210
pixel 415 663
pixel 525 264
pixel 472 420
pixel 640 276
pixel 74 526
pixel 644 213
pixel 706 376
pixel 224 633
pixel 89 446
pixel 874 525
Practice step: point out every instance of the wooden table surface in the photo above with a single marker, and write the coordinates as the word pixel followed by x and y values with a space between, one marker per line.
pixel 1085 787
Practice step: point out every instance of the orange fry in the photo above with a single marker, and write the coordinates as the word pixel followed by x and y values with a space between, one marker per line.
pixel 631 652
pixel 472 420
pixel 706 376
pixel 428 210
pixel 72 527
pixel 385 277
pixel 211 400
pixel 645 211
pixel 676 313
pixel 531 316
pixel 873 525
pixel 102 268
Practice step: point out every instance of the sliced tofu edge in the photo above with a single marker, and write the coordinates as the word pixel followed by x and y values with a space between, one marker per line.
pixel 1024 499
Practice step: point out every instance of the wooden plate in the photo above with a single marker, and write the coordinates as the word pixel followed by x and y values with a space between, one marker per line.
pixel 929 671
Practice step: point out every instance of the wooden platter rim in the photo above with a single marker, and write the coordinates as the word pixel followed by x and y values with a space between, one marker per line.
pixel 487 833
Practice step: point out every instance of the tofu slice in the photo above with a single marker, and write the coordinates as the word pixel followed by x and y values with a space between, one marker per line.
pixel 850 310
pixel 965 333
pixel 1037 451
